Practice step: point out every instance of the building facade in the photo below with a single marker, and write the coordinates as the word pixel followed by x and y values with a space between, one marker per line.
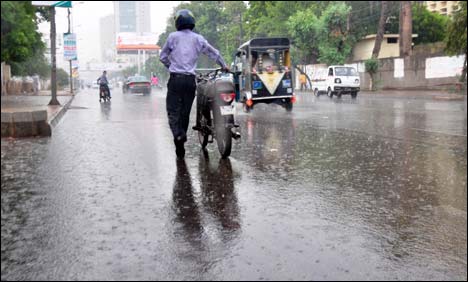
pixel 107 31
pixel 445 8
pixel 390 47
pixel 132 16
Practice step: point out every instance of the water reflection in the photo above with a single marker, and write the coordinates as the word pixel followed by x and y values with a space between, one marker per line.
pixel 272 141
pixel 218 195
pixel 215 213
pixel 185 206
pixel 105 110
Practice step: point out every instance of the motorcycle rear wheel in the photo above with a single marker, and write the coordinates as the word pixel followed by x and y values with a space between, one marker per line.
pixel 224 140
pixel 223 134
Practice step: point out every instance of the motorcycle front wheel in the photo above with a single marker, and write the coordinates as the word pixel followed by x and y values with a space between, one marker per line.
pixel 224 140
pixel 223 134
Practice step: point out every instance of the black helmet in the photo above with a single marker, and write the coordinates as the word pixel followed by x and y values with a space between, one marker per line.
pixel 184 19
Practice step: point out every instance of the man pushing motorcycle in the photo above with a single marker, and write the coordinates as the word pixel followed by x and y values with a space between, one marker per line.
pixel 180 54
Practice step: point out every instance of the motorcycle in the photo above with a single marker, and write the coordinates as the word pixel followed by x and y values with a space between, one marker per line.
pixel 103 93
pixel 215 110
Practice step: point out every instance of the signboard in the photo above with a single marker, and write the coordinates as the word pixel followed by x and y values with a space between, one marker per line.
pixel 62 4
pixel 69 46
pixel 75 73
pixel 130 42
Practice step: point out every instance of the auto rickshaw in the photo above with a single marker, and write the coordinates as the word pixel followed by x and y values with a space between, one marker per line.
pixel 264 73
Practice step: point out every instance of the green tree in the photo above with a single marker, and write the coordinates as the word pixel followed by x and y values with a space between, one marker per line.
pixel 19 37
pixel 456 36
pixel 372 66
pixel 306 30
pixel 326 39
pixel 62 78
pixel 430 27
pixel 153 65
pixel 130 71
pixel 270 18
pixel 337 44
pixel 232 28
pixel 35 65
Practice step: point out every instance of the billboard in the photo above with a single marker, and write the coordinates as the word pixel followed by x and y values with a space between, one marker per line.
pixel 69 46
pixel 130 42
pixel 63 4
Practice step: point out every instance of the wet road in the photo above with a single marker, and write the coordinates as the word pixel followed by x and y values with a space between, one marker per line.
pixel 339 189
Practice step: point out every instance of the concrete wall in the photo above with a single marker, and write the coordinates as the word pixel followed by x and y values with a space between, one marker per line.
pixel 416 72
pixel 426 69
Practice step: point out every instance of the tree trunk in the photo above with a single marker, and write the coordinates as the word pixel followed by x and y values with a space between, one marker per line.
pixel 406 28
pixel 380 31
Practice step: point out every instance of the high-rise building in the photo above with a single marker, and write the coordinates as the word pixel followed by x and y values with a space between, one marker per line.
pixel 132 16
pixel 445 8
pixel 107 37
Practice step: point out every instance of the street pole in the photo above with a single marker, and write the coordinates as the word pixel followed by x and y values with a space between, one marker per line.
pixel 53 75
pixel 241 31
pixel 144 60
pixel 138 59
pixel 71 77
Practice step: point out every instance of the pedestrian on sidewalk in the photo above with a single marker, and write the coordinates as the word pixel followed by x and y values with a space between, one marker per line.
pixel 180 54
pixel 303 81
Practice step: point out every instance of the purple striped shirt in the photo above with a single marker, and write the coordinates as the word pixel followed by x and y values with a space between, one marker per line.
pixel 182 49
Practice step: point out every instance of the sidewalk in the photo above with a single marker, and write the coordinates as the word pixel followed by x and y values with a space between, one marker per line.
pixel 26 115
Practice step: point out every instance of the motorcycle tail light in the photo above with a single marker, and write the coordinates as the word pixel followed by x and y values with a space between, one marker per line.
pixel 227 97
pixel 293 99
pixel 249 102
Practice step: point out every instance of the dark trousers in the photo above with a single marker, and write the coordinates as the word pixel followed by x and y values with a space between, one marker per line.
pixel 179 100
pixel 106 87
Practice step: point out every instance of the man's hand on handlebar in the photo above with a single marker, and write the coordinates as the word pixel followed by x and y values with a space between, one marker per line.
pixel 225 69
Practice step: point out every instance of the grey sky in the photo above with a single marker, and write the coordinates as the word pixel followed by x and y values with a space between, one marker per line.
pixel 86 15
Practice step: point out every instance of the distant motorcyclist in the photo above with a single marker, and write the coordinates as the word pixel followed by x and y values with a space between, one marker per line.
pixel 154 80
pixel 102 81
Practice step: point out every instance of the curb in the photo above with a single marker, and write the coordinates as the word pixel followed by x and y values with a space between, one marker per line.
pixel 55 119
pixel 449 98
pixel 25 124
pixel 31 123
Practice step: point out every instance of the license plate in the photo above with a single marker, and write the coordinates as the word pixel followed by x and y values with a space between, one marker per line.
pixel 227 110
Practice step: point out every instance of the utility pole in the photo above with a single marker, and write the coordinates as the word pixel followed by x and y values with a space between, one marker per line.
pixel 70 61
pixel 53 76
pixel 406 29
pixel 241 30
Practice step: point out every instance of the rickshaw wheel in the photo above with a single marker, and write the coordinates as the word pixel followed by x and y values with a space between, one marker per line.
pixel 289 106
pixel 246 108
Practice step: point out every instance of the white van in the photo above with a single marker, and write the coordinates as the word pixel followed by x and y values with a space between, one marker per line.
pixel 336 80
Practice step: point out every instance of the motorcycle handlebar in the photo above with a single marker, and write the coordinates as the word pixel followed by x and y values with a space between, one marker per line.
pixel 211 73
